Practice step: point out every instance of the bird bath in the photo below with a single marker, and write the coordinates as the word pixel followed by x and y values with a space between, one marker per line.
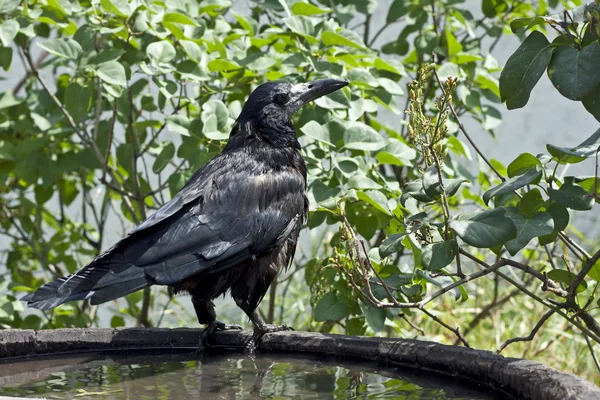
pixel 139 363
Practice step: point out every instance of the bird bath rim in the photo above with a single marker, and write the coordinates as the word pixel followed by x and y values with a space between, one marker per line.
pixel 519 378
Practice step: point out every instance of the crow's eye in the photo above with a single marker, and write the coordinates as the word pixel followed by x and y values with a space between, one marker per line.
pixel 281 98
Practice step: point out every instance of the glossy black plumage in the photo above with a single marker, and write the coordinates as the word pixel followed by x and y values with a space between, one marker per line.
pixel 232 227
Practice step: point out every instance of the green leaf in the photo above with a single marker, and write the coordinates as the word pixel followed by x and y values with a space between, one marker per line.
pixel 66 48
pixel 523 163
pixel 355 326
pixel 375 198
pixel 454 46
pixel 164 157
pixel 362 77
pixel 8 31
pixel 346 165
pixel 512 184
pixel 591 102
pixel 415 190
pixel 247 23
pixel 566 277
pixel 41 122
pixel 161 52
pixel 6 54
pixel 531 203
pixel 192 71
pixel 391 244
pixel 524 69
pixel 485 229
pixel 362 137
pixel 526 23
pixel 316 131
pixel 8 99
pixel 108 55
pixel 192 50
pixel 359 106
pixel 321 192
pixel 397 152
pixel 361 181
pixel 179 18
pixel 112 72
pixel 589 184
pixel 308 9
pixel 301 25
pixel 179 124
pixel 432 187
pixel 560 216
pixel 528 228
pixel 375 316
pixel 330 308
pixel 438 255
pixel 7 6
pixel 575 73
pixel 118 7
pixel 210 129
pixel 572 196
pixel 124 156
pixel 594 272
pixel 217 109
pixel 397 10
pixel 176 182
pixel 221 65
pixel 491 8
pixel 77 100
pixel 390 66
pixel 117 321
pixel 335 100
pixel 343 37
pixel 573 155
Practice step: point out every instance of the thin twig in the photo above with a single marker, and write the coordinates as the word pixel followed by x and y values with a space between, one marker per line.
pixel 578 249
pixel 456 330
pixel 28 74
pixel 589 264
pixel 592 352
pixel 531 335
pixel 72 123
pixel 421 331
pixel 486 310
pixel 593 332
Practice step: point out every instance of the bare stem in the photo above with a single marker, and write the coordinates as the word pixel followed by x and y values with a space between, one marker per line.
pixel 531 335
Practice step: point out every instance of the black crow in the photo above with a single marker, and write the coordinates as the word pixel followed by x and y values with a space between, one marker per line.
pixel 232 227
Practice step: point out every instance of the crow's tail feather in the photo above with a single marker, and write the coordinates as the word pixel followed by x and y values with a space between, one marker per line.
pixel 106 278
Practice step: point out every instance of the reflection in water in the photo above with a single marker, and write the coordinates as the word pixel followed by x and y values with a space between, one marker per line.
pixel 224 376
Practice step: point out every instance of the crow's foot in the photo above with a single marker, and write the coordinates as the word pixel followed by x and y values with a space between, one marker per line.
pixel 259 332
pixel 216 325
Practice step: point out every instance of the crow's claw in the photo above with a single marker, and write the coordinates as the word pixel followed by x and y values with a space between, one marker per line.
pixel 252 344
pixel 216 325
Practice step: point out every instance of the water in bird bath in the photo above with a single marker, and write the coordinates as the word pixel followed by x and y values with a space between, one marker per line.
pixel 152 375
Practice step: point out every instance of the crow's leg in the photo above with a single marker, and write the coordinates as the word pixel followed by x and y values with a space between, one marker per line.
pixel 205 311
pixel 260 327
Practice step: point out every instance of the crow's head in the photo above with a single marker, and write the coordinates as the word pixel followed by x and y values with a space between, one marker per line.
pixel 276 101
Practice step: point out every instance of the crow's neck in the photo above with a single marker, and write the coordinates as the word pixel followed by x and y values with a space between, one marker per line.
pixel 278 133
pixel 273 144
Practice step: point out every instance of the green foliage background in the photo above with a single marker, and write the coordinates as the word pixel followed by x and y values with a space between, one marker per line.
pixel 121 102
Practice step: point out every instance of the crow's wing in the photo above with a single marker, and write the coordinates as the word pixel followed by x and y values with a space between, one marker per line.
pixel 237 216
pixel 234 208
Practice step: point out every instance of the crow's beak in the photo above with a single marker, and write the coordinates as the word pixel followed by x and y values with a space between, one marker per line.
pixel 304 93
